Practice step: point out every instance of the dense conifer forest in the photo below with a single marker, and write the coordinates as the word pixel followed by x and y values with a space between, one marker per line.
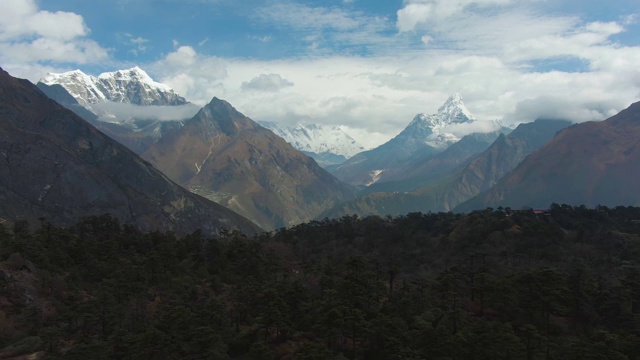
pixel 492 284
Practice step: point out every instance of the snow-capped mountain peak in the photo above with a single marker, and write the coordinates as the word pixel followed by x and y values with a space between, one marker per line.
pixel 56 78
pixel 80 85
pixel 455 110
pixel 132 86
pixel 431 129
pixel 318 139
pixel 134 74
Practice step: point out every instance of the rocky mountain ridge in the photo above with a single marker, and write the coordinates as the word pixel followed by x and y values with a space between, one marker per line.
pixel 591 163
pixel 58 167
pixel 132 86
pixel 227 157
pixel 124 104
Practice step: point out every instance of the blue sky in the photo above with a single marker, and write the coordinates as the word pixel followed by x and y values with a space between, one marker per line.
pixel 218 27
pixel 366 65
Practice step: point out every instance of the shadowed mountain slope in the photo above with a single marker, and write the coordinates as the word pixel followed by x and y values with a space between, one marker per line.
pixel 227 157
pixel 475 176
pixel 431 168
pixel 593 163
pixel 55 165
pixel 138 134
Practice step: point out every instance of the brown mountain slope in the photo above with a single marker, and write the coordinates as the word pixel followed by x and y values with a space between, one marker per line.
pixel 590 163
pixel 227 157
pixel 476 175
pixel 55 165
pixel 432 168
pixel 135 133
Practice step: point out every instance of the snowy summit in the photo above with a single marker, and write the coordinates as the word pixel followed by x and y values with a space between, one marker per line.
pixel 328 145
pixel 432 129
pixel 132 86
pixel 317 138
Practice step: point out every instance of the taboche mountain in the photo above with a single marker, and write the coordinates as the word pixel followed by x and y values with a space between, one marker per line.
pixel 425 135
pixel 452 188
pixel 593 163
pixel 57 166
pixel 225 156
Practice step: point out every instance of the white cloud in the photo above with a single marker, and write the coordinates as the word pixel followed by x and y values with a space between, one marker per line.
pixel 49 49
pixel 360 71
pixel 137 40
pixel 266 82
pixel 305 17
pixel 32 71
pixel 183 56
pixel 263 38
pixel 631 19
pixel 413 14
pixel 463 129
pixel 420 12
pixel 22 19
pixel 190 74
pixel 325 28
pixel 578 42
pixel 139 43
pixel 29 36
pixel 162 113
pixel 567 108
pixel 333 91
pixel 375 97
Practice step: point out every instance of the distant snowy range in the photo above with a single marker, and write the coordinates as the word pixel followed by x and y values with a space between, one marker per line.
pixel 131 98
pixel 441 161
pixel 327 145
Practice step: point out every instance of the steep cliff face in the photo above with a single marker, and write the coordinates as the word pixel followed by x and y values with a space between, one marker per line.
pixel 227 157
pixel 55 165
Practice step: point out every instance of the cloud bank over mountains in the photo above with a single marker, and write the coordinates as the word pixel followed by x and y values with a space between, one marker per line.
pixel 372 70
pixel 31 38
pixel 148 112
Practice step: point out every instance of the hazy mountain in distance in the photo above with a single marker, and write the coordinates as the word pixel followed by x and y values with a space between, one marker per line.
pixel 430 168
pixel 327 145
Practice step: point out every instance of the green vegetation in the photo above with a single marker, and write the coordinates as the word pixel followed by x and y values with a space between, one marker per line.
pixel 492 284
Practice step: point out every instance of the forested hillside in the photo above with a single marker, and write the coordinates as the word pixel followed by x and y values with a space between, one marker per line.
pixel 492 284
